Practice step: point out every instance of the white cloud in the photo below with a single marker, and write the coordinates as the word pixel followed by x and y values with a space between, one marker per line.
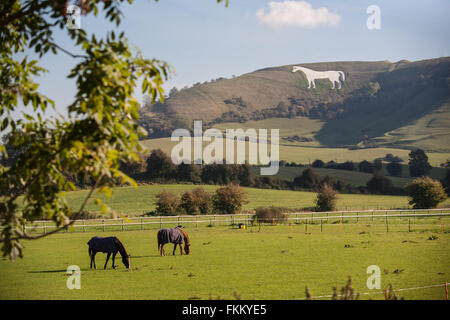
pixel 296 14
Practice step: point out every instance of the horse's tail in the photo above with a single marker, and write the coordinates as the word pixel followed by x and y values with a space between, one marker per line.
pixel 342 74
pixel 158 237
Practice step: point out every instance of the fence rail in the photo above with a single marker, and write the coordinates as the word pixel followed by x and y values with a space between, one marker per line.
pixel 227 220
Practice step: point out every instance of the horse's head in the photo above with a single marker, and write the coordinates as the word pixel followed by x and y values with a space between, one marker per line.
pixel 126 261
pixel 295 68
pixel 187 248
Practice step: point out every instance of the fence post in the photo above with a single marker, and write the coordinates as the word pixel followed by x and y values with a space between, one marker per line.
pixel 357 216
pixel 409 225
pixel 122 224
pixel 141 224
pixel 160 222
pixel 214 220
pixel 320 225
pixel 387 223
pixel 84 225
pixel 45 229
pixel 103 223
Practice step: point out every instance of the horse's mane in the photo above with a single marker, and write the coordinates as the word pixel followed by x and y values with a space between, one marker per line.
pixel 122 250
pixel 186 237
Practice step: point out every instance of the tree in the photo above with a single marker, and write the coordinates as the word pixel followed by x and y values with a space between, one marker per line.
pixel 366 166
pixel 377 165
pixel 167 203
pixel 229 199
pixel 425 193
pixel 326 199
pixel 379 184
pixel 159 165
pixel 188 172
pixel 100 130
pixel 204 200
pixel 394 169
pixel 309 179
pixel 418 163
pixel 318 163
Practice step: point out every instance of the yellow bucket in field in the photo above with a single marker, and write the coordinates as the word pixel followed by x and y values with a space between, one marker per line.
pixel 241 226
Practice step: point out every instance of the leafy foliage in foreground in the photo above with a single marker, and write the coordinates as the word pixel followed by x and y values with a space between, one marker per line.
pixel 101 128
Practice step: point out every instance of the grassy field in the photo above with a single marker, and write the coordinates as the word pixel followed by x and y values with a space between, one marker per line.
pixel 307 154
pixel 137 201
pixel 268 263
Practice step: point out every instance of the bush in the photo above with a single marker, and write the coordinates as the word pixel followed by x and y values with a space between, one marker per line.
pixel 167 203
pixel 326 199
pixel 425 193
pixel 318 164
pixel 229 199
pixel 269 215
pixel 189 203
pixel 203 200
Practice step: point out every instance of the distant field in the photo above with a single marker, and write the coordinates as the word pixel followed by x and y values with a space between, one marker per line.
pixel 137 201
pixel 306 155
pixel 228 263
pixel 355 178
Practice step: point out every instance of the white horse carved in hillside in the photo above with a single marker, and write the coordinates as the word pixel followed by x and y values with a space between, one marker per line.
pixel 312 75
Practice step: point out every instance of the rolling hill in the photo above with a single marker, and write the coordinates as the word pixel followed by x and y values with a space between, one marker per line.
pixel 401 105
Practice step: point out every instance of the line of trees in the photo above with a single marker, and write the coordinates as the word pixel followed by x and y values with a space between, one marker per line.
pixel 226 200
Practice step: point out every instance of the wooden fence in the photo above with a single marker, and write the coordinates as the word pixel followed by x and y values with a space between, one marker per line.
pixel 138 223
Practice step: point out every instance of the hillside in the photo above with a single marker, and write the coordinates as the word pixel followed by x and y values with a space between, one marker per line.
pixel 402 105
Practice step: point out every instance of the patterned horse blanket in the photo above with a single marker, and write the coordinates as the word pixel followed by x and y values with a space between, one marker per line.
pixel 103 244
pixel 170 235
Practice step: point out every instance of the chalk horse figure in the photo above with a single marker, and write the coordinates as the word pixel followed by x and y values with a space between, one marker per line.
pixel 109 245
pixel 312 75
pixel 177 236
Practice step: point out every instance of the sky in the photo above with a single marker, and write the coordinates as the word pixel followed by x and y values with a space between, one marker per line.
pixel 203 40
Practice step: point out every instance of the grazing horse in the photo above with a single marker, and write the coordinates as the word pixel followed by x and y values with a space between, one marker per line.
pixel 312 75
pixel 108 245
pixel 176 236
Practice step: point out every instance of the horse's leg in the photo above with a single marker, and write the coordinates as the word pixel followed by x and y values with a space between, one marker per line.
pixel 314 84
pixel 181 249
pixel 163 252
pixel 114 260
pixel 174 247
pixel 107 258
pixel 93 258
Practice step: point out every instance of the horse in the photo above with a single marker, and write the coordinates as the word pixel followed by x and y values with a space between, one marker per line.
pixel 108 245
pixel 312 75
pixel 173 235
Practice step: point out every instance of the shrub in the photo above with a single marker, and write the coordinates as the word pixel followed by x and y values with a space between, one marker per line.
pixel 203 200
pixel 167 203
pixel 326 199
pixel 269 215
pixel 425 193
pixel 189 203
pixel 229 199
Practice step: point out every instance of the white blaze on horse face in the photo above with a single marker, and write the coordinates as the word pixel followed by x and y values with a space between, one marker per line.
pixel 74 280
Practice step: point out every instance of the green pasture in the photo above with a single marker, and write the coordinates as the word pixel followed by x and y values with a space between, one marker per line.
pixel 268 262
pixel 307 154
pixel 132 201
